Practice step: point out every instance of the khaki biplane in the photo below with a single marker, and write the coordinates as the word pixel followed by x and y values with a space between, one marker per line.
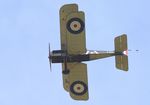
pixel 73 52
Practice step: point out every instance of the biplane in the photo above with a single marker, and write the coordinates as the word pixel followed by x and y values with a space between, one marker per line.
pixel 73 52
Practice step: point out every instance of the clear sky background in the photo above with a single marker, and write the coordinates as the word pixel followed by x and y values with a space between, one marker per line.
pixel 26 28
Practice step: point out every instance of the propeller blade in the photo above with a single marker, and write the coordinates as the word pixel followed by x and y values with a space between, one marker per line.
pixel 50 60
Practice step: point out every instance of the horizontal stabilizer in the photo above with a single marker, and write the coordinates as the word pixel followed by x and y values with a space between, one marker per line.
pixel 121 43
pixel 122 62
pixel 121 52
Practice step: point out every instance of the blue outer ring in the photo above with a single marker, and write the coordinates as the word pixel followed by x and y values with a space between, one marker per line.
pixel 72 31
pixel 78 82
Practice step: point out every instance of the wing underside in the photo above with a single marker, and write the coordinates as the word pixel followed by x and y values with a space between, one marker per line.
pixel 78 81
pixel 75 24
pixel 72 28
pixel 64 11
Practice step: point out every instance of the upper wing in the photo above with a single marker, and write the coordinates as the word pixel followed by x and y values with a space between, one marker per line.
pixel 78 81
pixel 64 12
pixel 72 30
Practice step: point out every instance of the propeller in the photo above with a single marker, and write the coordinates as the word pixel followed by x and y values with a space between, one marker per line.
pixel 50 57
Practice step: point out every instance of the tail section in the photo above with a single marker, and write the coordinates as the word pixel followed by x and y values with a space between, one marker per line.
pixel 121 52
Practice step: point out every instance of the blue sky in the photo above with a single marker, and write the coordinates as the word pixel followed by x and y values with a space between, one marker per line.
pixel 26 28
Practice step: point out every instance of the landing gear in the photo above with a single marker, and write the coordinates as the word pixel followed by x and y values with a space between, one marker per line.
pixel 66 71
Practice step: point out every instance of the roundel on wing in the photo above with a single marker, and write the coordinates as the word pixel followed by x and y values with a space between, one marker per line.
pixel 75 25
pixel 78 88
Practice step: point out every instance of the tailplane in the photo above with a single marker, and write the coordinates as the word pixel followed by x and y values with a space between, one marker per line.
pixel 121 51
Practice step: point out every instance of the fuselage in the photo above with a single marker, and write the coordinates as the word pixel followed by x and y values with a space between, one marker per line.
pixel 58 56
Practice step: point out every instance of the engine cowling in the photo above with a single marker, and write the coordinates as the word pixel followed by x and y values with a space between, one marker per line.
pixel 57 56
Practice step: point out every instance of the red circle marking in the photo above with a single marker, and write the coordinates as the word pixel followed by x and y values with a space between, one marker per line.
pixel 75 25
pixel 78 88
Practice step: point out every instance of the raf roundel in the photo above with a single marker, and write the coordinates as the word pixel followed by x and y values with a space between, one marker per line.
pixel 75 25
pixel 78 88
